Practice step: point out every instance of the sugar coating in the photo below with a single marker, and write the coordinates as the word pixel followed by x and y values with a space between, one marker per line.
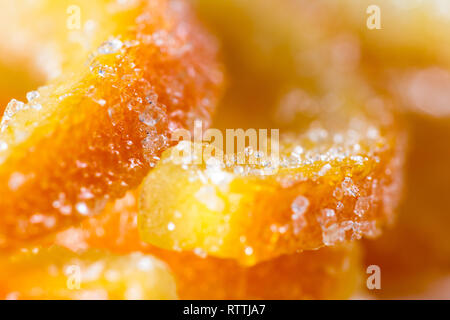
pixel 95 131
pixel 327 273
pixel 328 193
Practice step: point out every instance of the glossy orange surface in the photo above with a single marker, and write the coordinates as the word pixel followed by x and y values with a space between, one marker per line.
pixel 328 273
pixel 96 130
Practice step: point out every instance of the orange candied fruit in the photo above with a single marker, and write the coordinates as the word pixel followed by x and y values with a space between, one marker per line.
pixel 95 131
pixel 327 273
pixel 324 187
pixel 58 273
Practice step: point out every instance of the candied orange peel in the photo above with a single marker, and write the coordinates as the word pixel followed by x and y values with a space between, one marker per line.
pixel 327 273
pixel 95 131
pixel 325 187
pixel 279 225
pixel 58 273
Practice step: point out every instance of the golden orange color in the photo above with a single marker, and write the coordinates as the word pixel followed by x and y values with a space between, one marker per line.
pixel 407 57
pixel 58 273
pixel 409 33
pixel 417 249
pixel 322 188
pixel 14 82
pixel 94 132
pixel 328 273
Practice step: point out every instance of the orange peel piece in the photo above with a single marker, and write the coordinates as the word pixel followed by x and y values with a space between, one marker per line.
pixel 328 273
pixel 95 131
pixel 58 273
pixel 324 187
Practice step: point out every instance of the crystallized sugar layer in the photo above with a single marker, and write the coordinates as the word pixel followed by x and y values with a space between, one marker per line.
pixel 58 273
pixel 328 273
pixel 96 130
pixel 324 187
pixel 339 173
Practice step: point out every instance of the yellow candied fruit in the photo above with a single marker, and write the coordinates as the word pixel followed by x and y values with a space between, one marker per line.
pixel 327 273
pixel 322 188
pixel 58 273
pixel 94 132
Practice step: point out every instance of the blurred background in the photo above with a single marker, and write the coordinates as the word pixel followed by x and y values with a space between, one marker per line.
pixel 284 58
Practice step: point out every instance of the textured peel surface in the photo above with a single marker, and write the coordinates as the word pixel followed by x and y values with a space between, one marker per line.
pixel 94 132
pixel 328 273
pixel 321 189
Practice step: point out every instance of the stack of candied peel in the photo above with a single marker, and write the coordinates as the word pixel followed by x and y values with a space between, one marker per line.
pixel 100 201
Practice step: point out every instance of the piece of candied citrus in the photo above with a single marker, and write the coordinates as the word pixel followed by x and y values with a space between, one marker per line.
pixel 328 273
pixel 95 131
pixel 311 201
pixel 58 273
pixel 323 187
